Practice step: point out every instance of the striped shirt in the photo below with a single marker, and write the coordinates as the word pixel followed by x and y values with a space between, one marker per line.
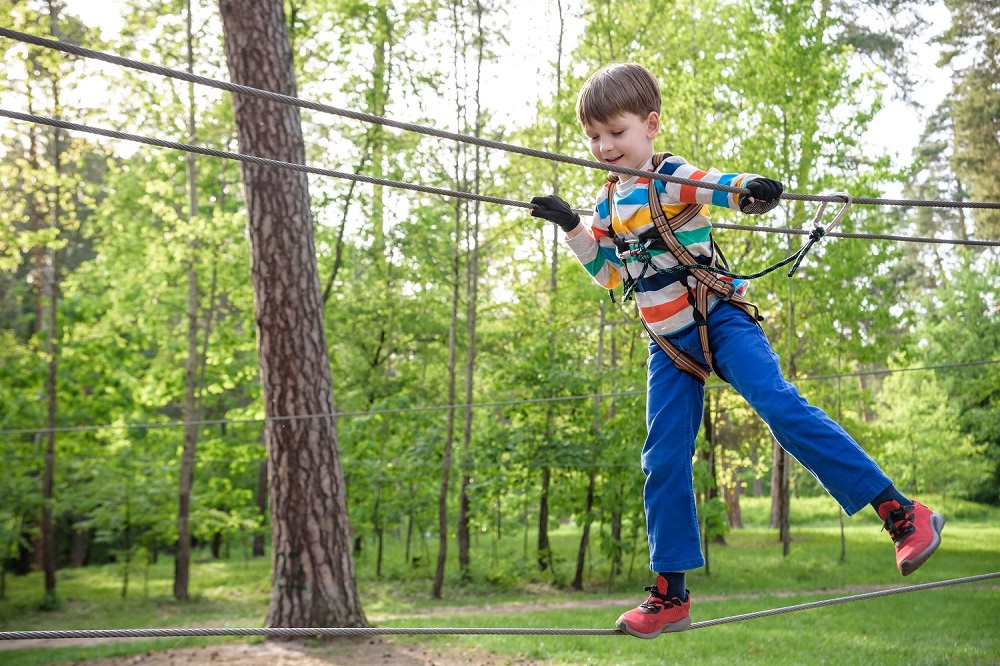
pixel 662 299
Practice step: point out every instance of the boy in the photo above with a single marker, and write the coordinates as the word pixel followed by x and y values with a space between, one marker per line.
pixel 698 322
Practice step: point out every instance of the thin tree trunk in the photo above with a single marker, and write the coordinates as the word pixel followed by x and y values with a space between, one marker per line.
pixel 544 547
pixel 758 487
pixel 50 546
pixel 472 301
pixel 734 513
pixel 376 515
pixel 192 410
pixel 712 491
pixel 616 538
pixel 783 500
pixel 127 537
pixel 450 426
pixel 777 471
pixel 544 552
pixel 78 551
pixel 581 554
pixel 784 523
pixel 314 583
pixel 409 533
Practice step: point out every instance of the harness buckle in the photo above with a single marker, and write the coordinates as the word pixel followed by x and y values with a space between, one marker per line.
pixel 636 250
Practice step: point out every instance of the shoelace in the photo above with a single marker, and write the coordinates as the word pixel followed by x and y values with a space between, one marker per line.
pixel 899 523
pixel 656 598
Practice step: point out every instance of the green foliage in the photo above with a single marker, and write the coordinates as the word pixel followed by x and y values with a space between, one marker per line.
pixel 768 87
pixel 922 444
pixel 974 31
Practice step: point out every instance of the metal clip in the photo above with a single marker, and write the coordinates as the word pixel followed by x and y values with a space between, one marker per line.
pixel 848 200
pixel 628 254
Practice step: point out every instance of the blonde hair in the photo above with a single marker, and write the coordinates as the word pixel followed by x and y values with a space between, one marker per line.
pixel 616 89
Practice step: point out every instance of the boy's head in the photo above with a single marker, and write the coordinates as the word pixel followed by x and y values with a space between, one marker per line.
pixel 616 89
pixel 619 110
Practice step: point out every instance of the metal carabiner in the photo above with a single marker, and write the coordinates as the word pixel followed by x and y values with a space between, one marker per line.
pixel 628 254
pixel 848 200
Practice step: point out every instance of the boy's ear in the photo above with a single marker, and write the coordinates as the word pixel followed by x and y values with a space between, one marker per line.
pixel 652 125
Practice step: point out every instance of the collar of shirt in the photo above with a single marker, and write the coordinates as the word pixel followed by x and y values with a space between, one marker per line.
pixel 624 186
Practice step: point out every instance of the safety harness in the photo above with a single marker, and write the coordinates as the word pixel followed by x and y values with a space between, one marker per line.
pixel 706 281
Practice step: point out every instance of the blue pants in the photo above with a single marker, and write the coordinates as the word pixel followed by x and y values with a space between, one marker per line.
pixel 674 409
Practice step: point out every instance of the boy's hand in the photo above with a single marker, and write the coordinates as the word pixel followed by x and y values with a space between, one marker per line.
pixel 554 209
pixel 764 195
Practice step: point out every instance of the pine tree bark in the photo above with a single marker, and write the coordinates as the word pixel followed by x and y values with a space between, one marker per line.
pixel 260 496
pixel 313 582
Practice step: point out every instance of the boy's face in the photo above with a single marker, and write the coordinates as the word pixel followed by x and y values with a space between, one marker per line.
pixel 626 140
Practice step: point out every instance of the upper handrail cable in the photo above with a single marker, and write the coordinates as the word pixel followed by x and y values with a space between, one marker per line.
pixel 82 52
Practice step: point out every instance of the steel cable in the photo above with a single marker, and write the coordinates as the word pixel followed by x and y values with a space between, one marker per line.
pixel 253 159
pixel 279 98
pixel 306 632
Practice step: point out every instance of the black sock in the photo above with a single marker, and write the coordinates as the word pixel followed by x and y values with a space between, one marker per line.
pixel 675 584
pixel 887 495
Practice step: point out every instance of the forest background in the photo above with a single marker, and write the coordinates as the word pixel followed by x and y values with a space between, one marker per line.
pixel 483 386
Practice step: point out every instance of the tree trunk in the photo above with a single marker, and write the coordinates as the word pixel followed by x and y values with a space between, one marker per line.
pixel 779 495
pixel 78 551
pixel 261 497
pixel 182 550
pixel 710 421
pixel 376 514
pixel 616 538
pixel 314 582
pixel 758 487
pixel 449 440
pixel 50 548
pixel 734 513
pixel 472 291
pixel 544 547
pixel 581 554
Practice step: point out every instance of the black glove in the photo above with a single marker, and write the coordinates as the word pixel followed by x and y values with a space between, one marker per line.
pixel 764 195
pixel 554 209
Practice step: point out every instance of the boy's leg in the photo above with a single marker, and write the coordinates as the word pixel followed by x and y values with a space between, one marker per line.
pixel 744 355
pixel 674 403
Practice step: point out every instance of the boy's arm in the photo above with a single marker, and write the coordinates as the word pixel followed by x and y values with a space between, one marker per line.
pixel 764 192
pixel 599 261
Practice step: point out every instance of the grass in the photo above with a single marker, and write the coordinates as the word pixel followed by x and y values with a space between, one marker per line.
pixel 954 627
pixel 959 624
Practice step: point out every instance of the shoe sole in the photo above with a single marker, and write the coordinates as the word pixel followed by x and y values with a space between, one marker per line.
pixel 907 567
pixel 680 625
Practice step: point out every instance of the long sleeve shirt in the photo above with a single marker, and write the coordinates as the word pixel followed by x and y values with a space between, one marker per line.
pixel 663 300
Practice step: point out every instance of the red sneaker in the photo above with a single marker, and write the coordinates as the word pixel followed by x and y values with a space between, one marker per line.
pixel 657 614
pixel 916 531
